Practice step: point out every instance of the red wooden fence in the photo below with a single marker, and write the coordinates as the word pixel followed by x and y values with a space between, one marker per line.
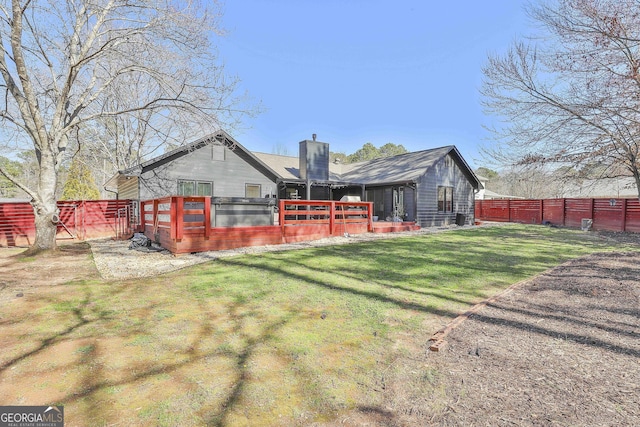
pixel 81 220
pixel 605 214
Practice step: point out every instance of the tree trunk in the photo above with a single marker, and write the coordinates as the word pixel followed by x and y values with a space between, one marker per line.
pixel 46 228
pixel 45 207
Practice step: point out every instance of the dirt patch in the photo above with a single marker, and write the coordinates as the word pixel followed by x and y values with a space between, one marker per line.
pixel 561 349
pixel 25 275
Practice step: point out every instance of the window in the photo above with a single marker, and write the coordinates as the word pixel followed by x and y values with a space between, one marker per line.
pixel 445 199
pixel 186 188
pixel 252 190
pixel 204 189
pixel 194 188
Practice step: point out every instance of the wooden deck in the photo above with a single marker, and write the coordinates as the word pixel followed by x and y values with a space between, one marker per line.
pixel 163 221
pixel 394 227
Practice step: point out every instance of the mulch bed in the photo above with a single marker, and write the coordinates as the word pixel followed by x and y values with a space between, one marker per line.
pixel 560 349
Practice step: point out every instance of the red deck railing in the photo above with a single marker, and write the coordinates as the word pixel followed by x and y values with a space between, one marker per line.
pixel 183 224
pixel 323 218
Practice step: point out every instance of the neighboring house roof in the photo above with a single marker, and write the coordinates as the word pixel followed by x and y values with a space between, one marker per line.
pixel 14 200
pixel 488 194
pixel 603 187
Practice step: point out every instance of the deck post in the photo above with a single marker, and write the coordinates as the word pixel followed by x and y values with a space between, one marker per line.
pixel 281 215
pixel 332 218
pixel 207 217
pixel 370 217
pixel 177 206
pixel 156 206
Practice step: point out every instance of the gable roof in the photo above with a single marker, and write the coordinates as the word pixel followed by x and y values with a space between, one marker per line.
pixel 407 167
pixel 219 138
pixel 287 167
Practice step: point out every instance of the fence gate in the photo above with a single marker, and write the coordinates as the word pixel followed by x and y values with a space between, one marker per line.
pixel 125 219
pixel 68 214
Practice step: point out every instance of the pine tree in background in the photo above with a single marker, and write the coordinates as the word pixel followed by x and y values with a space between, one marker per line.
pixel 370 152
pixel 80 183
pixel 7 188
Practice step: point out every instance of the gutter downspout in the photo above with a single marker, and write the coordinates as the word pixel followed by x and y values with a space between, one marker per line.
pixel 111 191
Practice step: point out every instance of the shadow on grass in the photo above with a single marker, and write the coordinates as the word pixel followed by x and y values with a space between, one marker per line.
pixel 220 418
pixel 79 322
pixel 93 378
pixel 387 274
pixel 370 295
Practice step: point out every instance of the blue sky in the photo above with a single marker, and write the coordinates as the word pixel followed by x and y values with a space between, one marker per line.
pixel 355 71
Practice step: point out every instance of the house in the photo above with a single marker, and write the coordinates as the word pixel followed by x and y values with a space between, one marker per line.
pixel 621 187
pixel 486 194
pixel 430 187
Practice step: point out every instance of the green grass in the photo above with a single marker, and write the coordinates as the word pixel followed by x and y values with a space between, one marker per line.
pixel 279 338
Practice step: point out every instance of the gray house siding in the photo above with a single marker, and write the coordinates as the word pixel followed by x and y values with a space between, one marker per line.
pixel 128 188
pixel 213 163
pixel 446 172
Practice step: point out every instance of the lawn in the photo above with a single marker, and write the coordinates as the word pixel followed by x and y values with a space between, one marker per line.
pixel 281 338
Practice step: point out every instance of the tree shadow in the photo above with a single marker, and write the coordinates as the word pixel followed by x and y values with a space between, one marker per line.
pixel 371 295
pixel 581 339
pixel 569 318
pixel 85 318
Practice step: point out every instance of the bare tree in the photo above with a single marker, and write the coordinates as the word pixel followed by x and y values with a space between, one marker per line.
pixel 528 182
pixel 70 66
pixel 571 96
